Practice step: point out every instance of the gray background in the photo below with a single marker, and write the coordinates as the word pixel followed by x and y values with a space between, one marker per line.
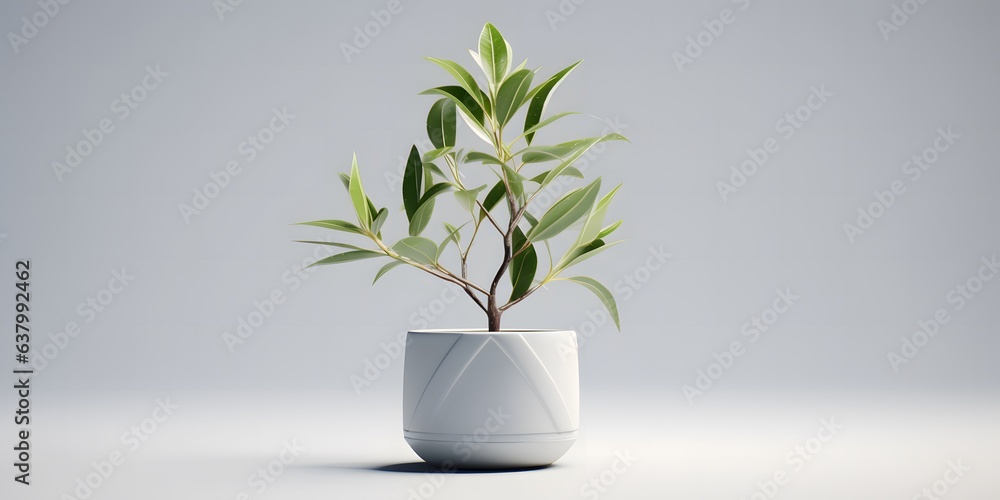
pixel 162 336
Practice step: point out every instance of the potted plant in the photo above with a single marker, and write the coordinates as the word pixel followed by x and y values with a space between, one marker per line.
pixel 489 398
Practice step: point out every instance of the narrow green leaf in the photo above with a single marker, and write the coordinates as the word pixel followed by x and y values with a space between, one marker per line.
pixel 441 123
pixel 346 179
pixel 531 219
pixel 492 198
pixel 477 156
pixel 454 236
pixel 595 220
pixel 337 225
pixel 510 97
pixel 348 257
pixel 602 293
pixel 461 97
pixel 494 55
pixel 516 182
pixel 568 171
pixel 467 198
pixel 430 167
pixel 582 253
pixel 435 154
pixel 540 98
pixel 465 80
pixel 358 197
pixel 386 268
pixel 331 244
pixel 565 212
pixel 413 177
pixel 421 218
pixel 609 229
pixel 556 172
pixel 380 217
pixel 435 190
pixel 523 266
pixel 417 248
pixel 544 122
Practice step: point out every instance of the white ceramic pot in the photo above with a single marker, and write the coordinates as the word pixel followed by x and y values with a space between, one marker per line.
pixel 482 400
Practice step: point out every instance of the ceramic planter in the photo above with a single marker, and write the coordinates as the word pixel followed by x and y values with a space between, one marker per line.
pixel 476 399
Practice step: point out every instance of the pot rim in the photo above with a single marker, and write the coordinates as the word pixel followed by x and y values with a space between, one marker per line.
pixel 483 331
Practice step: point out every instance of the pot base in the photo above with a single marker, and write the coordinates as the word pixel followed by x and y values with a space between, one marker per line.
pixel 496 452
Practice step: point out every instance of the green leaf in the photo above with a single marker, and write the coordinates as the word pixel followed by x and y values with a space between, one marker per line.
pixel 331 244
pixel 346 179
pixel 425 207
pixel 565 212
pixel 453 236
pixel 544 122
pixel 510 97
pixel 380 217
pixel 430 167
pixel 595 220
pixel 609 229
pixel 337 225
pixel 441 123
pixel 523 266
pixel 540 98
pixel 421 218
pixel 556 172
pixel 348 257
pixel 568 171
pixel 472 110
pixel 434 191
pixel 358 197
pixel 417 249
pixel 530 218
pixel 467 104
pixel 467 197
pixel 435 154
pixel 386 268
pixel 464 78
pixel 602 293
pixel 413 177
pixel 494 55
pixel 492 198
pixel 582 253
pixel 476 156
pixel 516 182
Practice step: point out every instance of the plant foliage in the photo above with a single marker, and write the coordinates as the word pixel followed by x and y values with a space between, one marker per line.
pixel 523 169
